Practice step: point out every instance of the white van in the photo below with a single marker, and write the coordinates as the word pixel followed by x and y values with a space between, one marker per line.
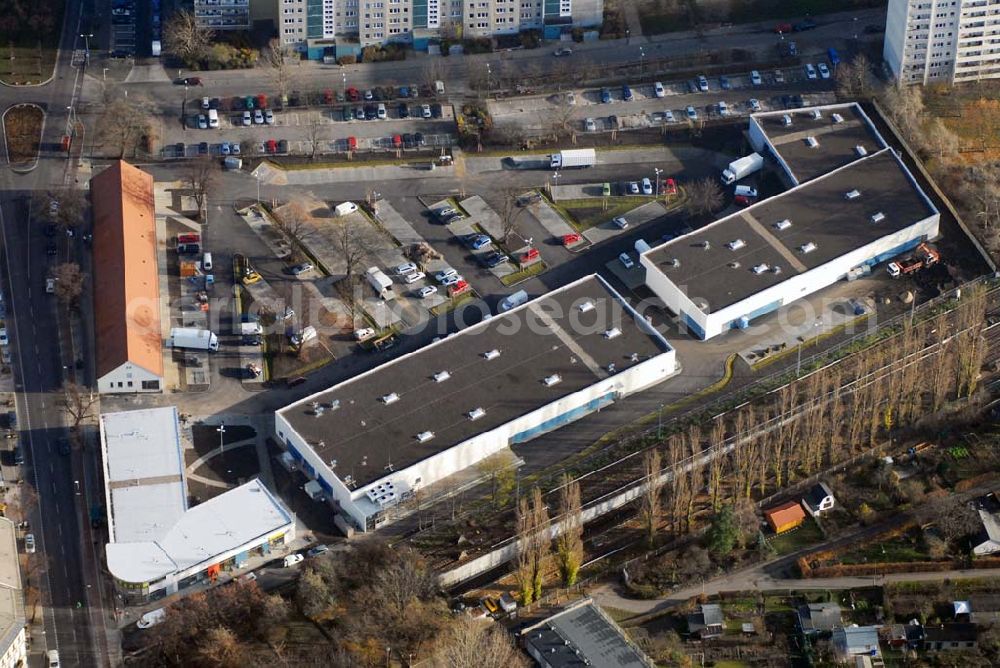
pixel 53 657
pixel 213 118
pixel 152 618
pixel 305 335
pixel 345 208
pixel 206 262
pixel 439 87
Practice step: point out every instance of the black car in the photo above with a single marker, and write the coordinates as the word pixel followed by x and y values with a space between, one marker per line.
pixel 293 98
pixel 180 149
pixel 282 146
pixel 371 112
pixel 802 26
pixel 348 114
pixel 436 111
pixel 418 137
pixel 493 258
pixel 378 95
pixel 403 110
pixel 51 248
pixel 51 229
pixel 213 103
pixel 203 148
pixel 11 420
pixel 251 340
pixel 408 141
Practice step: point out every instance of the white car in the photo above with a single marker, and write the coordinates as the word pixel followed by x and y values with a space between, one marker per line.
pixel 647 186
pixel 425 110
pixel 427 291
pixel 29 543
pixel 754 104
pixel 810 71
pixel 824 71
pixel 755 78
pixel 363 334
pixel 633 188
pixel 292 559
pixel 247 118
pixel 626 261
pixel 703 83
pixel 53 208
pixel 258 117
pixel 235 148
pixel 445 274
pixel 151 618
pixel 202 122
pixel 406 268
pixel 658 90
pixel 668 116
pixel 571 99
pixel 269 117
pixel 723 109
pixel 226 148
pixel 590 125
pixel 205 104
pixel 451 280
pixel 620 223
pixel 50 285
pixel 692 113
pixel 381 112
pixel 413 277
pixel 4 340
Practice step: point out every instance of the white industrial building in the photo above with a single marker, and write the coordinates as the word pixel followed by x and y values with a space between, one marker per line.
pixel 158 544
pixel 852 205
pixel 372 441
pixel 942 41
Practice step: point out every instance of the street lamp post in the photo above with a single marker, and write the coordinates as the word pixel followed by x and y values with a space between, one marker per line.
pixel 642 56
pixel 628 38
pixel 555 181
pixel 257 175
pixel 86 38
pixel 656 187
pixel 222 435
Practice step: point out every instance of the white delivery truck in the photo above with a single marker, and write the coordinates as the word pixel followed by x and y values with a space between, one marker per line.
pixel 193 339
pixel 745 166
pixel 345 208
pixel 381 283
pixel 577 157
pixel 251 328
pixel 156 48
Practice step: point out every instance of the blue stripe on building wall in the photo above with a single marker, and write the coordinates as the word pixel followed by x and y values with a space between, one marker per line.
pixel 563 419
pixel 692 325
pixel 893 252
pixel 314 19
pixel 325 485
pixel 241 559
pixel 308 468
pixel 419 13
pixel 756 313
pixel 291 448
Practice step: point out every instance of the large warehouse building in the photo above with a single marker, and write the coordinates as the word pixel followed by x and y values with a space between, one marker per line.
pixel 158 545
pixel 372 441
pixel 852 205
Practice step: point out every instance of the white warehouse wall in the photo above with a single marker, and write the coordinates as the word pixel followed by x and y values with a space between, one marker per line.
pixel 108 383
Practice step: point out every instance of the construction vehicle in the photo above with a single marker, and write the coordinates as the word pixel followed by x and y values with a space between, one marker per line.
pixel 924 256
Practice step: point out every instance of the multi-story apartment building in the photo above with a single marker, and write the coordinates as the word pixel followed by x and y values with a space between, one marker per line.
pixel 223 14
pixel 946 41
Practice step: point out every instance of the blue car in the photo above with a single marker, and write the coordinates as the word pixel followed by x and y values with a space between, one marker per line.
pixel 626 93
pixel 404 91
pixel 479 241
pixel 605 95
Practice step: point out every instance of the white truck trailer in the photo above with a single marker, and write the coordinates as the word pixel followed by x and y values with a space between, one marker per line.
pixel 193 339
pixel 577 157
pixel 381 283
pixel 745 166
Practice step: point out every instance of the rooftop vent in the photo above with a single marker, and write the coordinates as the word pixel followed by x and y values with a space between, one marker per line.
pixel 586 306
pixel 612 333
pixel 476 413
pixel 852 194
pixel 775 269
pixel 425 436
pixel 807 247
pixel 878 217
pixel 491 354
pixel 861 151
pixel 811 142
pixel 783 224
pixel 786 120
pixel 554 379
pixel 390 398
pixel 736 244
pixel 760 268
pixel 706 244
pixel 701 304
pixel 674 262
pixel 816 113
pixel 334 405
pixel 837 118
pixel 734 265
pixel 441 376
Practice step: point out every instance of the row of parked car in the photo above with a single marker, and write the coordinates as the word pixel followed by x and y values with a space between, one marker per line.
pixel 378 111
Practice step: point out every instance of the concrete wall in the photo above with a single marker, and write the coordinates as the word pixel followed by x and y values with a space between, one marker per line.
pixel 108 383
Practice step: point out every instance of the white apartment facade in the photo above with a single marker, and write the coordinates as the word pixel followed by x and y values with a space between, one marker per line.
pixel 223 14
pixel 946 41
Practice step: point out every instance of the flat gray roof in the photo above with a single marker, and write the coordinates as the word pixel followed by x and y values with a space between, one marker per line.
pixel 547 336
pixel 819 213
pixel 583 636
pixel 837 141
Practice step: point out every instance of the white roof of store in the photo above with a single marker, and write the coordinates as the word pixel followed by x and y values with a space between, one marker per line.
pixel 153 533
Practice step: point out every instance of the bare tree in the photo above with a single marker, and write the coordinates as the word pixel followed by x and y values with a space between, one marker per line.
pixel 939 141
pixel 315 133
pixel 434 71
pixel 703 196
pixel 472 644
pixel 275 57
pixel 854 77
pixel 69 279
pixel 221 647
pixel 524 568
pixel 185 38
pixel 650 505
pixel 509 211
pixel 312 595
pixel 78 402
pixel 569 543
pixel 198 178
pixel 541 541
pixel 123 123
pixel 295 222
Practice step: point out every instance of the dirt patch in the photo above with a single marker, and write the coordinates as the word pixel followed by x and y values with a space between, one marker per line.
pixel 23 133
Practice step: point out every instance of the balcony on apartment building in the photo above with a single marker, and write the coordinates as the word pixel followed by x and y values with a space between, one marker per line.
pixel 245 4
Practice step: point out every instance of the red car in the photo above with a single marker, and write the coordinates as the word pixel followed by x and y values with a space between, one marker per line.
pixel 272 146
pixel 458 288
pixel 570 239
pixel 397 141
pixel 669 187
pixel 328 96
pixel 744 200
pixel 531 254
pixel 262 101
pixel 191 238
pixel 352 144
pixel 353 95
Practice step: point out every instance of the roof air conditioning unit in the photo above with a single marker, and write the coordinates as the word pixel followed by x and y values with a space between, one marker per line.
pixel 807 247
pixel 811 142
pixel 775 269
pixel 554 379
pixel 476 413
pixel 612 333
pixel 760 268
pixel 816 113
pixel 783 224
pixel 491 354
pixel 390 398
pixel 586 306
pixel 736 244
pixel 441 376
pixel 837 118
pixel 674 262
pixel 861 151
pixel 852 194
pixel 706 244
pixel 878 217
pixel 425 436
pixel 334 405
